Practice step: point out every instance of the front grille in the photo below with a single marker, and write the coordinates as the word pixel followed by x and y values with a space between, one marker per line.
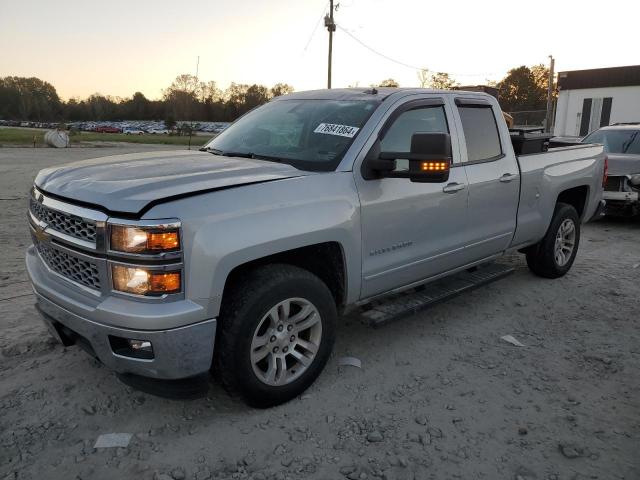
pixel 613 184
pixel 66 223
pixel 80 271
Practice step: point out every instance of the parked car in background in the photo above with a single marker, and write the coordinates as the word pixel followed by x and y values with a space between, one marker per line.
pixel 106 129
pixel 133 131
pixel 622 146
pixel 158 131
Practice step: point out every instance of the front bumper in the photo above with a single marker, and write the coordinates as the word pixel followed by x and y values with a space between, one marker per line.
pixel 178 351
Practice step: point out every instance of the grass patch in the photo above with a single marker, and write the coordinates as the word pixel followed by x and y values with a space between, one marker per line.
pixel 21 136
pixel 25 136
pixel 196 140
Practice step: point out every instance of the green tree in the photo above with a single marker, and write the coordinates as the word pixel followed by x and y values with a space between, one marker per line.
pixel 442 81
pixel 186 98
pixel 240 98
pixel 524 88
pixel 389 82
pixel 137 107
pixel 256 95
pixel 281 89
pixel 182 97
pixel 29 99
pixel 210 92
pixel 170 122
pixel 102 107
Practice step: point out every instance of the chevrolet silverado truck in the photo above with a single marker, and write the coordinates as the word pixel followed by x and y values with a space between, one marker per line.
pixel 240 258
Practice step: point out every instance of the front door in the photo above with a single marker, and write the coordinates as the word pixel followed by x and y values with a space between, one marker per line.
pixel 411 231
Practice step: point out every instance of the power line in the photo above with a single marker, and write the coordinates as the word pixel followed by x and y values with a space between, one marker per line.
pixel 413 67
pixel 371 49
pixel 324 9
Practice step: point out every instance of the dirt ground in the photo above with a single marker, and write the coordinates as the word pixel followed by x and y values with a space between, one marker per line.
pixel 439 395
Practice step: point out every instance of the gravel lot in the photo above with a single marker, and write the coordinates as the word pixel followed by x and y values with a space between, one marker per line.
pixel 439 395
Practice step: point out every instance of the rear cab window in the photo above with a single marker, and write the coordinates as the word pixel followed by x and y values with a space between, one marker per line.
pixel 480 129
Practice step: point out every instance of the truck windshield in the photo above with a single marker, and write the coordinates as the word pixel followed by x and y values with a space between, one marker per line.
pixel 307 134
pixel 616 141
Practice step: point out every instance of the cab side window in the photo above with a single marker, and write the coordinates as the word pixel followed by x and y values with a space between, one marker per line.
pixel 426 119
pixel 480 133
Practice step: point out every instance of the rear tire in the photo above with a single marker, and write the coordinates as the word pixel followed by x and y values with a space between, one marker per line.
pixel 275 334
pixel 554 255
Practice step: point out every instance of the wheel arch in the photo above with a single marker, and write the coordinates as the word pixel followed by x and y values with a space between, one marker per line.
pixel 326 260
pixel 576 197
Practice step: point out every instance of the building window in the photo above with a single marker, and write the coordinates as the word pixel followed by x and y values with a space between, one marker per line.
pixel 596 113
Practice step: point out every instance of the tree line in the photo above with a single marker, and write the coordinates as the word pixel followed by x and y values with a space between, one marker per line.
pixel 522 89
pixel 188 98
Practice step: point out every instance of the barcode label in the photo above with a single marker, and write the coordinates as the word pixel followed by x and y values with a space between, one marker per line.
pixel 333 129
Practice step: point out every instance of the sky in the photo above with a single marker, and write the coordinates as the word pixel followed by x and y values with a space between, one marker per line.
pixel 118 47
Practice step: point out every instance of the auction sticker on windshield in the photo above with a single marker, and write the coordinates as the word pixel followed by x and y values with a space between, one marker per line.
pixel 333 129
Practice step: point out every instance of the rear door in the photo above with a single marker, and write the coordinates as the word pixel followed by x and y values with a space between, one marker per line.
pixel 493 174
pixel 411 231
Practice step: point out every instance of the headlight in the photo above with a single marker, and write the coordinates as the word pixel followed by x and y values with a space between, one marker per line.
pixel 149 240
pixel 142 281
pixel 635 180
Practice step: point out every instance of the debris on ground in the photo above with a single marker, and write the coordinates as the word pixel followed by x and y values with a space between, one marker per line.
pixel 512 340
pixel 111 440
pixel 350 362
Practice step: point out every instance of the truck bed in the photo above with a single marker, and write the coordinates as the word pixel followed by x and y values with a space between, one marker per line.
pixel 544 175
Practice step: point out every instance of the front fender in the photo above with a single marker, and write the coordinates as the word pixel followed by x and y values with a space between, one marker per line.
pixel 225 229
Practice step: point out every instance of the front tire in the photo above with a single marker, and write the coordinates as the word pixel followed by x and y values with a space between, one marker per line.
pixel 275 334
pixel 554 255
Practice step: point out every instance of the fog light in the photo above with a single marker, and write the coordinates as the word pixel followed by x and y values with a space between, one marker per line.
pixel 141 281
pixel 129 347
pixel 141 345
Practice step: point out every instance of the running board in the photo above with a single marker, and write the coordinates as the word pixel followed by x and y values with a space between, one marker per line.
pixel 394 307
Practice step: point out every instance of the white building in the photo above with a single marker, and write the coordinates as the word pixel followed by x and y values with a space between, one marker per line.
pixel 590 99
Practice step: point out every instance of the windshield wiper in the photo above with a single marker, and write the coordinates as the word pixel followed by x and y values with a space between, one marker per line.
pixel 215 151
pixel 254 156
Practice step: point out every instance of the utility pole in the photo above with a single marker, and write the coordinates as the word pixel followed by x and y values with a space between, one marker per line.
pixel 549 120
pixel 191 125
pixel 331 27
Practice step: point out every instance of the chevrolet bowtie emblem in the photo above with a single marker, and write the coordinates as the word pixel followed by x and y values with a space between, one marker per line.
pixel 41 235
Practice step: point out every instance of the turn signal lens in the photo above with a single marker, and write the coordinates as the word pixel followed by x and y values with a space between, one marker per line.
pixel 140 281
pixel 144 240
pixel 434 166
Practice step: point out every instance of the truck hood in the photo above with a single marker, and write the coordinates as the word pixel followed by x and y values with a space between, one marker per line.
pixel 129 183
pixel 623 164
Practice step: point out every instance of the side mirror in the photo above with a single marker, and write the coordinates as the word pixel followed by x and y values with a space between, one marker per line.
pixel 429 160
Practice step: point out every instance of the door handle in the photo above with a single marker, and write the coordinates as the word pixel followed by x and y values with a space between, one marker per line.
pixel 507 177
pixel 453 187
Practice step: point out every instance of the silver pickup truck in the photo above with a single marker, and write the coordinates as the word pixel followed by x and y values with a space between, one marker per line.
pixel 240 258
